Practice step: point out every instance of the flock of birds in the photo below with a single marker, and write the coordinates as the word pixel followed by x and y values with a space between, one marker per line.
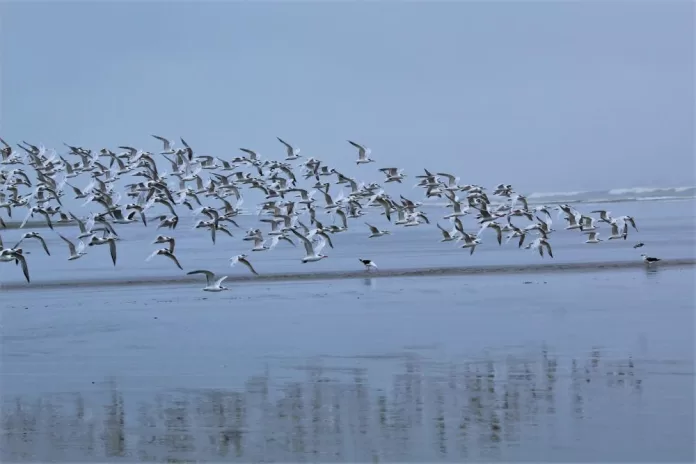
pixel 34 179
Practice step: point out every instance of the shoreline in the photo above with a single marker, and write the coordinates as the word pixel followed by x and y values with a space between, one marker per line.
pixel 358 274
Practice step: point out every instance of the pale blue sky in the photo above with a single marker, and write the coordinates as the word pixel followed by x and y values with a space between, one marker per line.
pixel 548 96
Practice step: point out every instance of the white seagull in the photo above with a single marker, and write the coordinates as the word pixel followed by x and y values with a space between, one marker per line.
pixel 313 250
pixel 363 154
pixel 166 253
pixel 375 232
pixel 212 282
pixel 242 259
pixel 75 253
pixel 592 238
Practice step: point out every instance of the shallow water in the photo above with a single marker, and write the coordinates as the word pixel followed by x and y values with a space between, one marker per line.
pixel 667 228
pixel 554 367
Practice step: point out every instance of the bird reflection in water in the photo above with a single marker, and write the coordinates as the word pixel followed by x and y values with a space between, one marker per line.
pixel 434 410
pixel 370 282
pixel 652 271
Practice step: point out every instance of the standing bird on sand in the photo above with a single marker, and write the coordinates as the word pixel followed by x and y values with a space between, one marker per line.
pixel 369 264
pixel 649 260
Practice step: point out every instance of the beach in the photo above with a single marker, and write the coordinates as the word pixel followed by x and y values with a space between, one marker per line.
pixel 508 357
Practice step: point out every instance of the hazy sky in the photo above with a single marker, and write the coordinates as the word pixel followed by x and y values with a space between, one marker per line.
pixel 548 96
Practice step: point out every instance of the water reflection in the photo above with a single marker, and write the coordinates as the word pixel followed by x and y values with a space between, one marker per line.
pixel 652 271
pixel 428 411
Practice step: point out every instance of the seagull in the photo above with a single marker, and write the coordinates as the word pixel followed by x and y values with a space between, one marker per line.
pixel 615 234
pixel 313 251
pixel 470 241
pixel 165 239
pixel 539 244
pixel 376 232
pixel 103 241
pixel 368 263
pixel 604 216
pixel 638 245
pixel 446 236
pixel 167 253
pixel 572 222
pixel 495 226
pixel 363 154
pixel 242 259
pixel 648 260
pixel 293 153
pixel 212 285
pixel 36 236
pixel 592 238
pixel 9 255
pixel 630 220
pixel 75 253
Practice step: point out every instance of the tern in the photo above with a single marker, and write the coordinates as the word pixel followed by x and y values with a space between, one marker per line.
pixel 470 241
pixel 363 154
pixel 165 239
pixel 75 253
pixel 213 284
pixel 447 236
pixel 166 253
pixel 615 234
pixel 375 232
pixel 539 244
pixel 313 250
pixel 242 259
pixel 9 255
pixel 592 238
pixel 38 237
pixel 111 241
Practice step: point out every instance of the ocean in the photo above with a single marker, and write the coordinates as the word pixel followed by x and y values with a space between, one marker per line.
pixel 438 356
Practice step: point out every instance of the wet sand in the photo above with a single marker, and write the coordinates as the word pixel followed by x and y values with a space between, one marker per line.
pixel 528 269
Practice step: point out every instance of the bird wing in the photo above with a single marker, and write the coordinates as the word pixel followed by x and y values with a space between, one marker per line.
pixel 112 250
pixel 25 269
pixel 248 264
pixel 307 244
pixel 209 276
pixel 176 261
pixel 43 243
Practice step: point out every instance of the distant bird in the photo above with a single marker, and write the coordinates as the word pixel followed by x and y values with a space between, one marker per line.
pixel 649 260
pixel 9 255
pixel 242 259
pixel 75 253
pixel 313 251
pixel 375 232
pixel 38 237
pixel 369 264
pixel 363 154
pixel 592 238
pixel 111 241
pixel 638 245
pixel 167 254
pixel 165 239
pixel 213 284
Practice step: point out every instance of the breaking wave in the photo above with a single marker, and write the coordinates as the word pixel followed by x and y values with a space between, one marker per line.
pixel 615 195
